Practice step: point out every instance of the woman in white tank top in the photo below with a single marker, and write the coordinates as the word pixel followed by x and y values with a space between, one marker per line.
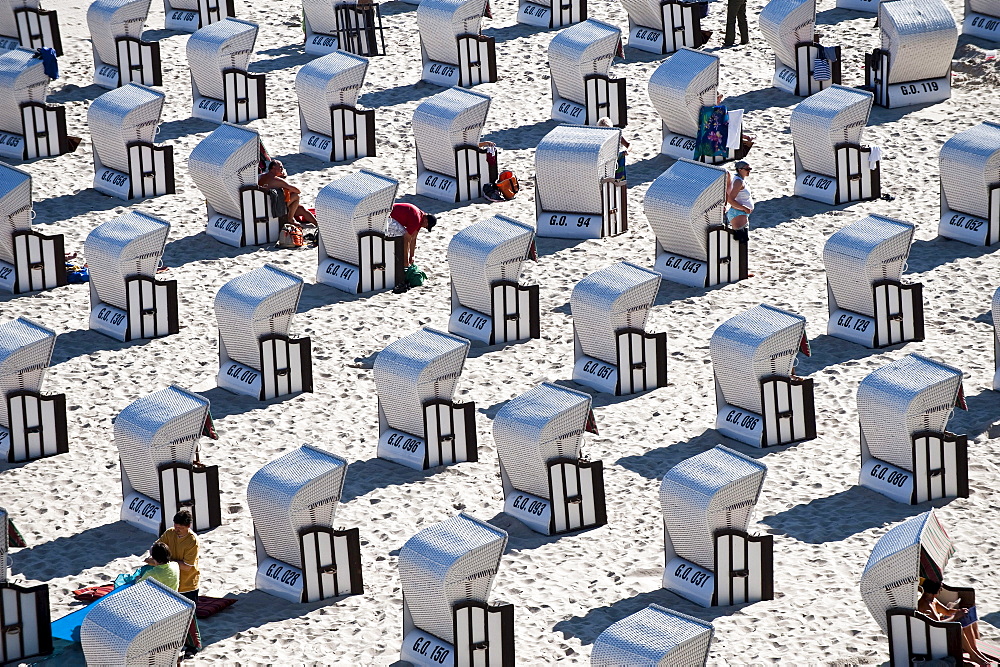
pixel 740 198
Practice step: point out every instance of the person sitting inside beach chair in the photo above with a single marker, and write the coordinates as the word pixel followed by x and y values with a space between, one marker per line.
pixel 222 89
pixel 452 46
pixel 120 54
pixel 580 63
pixel 333 127
pixel 654 636
pixel 802 66
pixel 970 185
pixel 29 260
pixel 29 127
pixel 273 178
pixel 24 24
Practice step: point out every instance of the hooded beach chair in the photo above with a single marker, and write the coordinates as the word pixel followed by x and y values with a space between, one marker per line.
pixel 551 13
pixel 653 637
pixel 121 56
pixel 24 610
pixel 789 27
pixel 868 303
pixel 29 260
pixel 123 126
pixel 126 300
pixel 334 128
pixel 23 23
pixel 663 26
pixel 346 25
pixel 686 207
pixel 580 64
pixel 913 63
pixel 142 624
pixel 226 166
pixel 487 301
pixel 982 19
pixel 355 255
pixel 300 556
pixel 420 426
pixel 711 559
pixel 547 485
pixel 760 400
pixel 970 185
pixel 453 50
pixel 612 350
pixel 256 356
pixel 576 193
pixel 447 571
pixel 447 128
pixel 190 15
pixel 222 89
pixel 907 454
pixel 831 164
pixel 917 549
pixel 29 127
pixel 31 425
pixel 158 438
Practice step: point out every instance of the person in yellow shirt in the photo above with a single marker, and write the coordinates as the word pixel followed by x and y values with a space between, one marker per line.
pixel 183 545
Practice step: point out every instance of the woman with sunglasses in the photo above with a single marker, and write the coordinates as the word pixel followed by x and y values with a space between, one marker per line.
pixel 740 200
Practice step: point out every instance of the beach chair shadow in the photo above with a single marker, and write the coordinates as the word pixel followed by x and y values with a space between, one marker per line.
pixel 70 555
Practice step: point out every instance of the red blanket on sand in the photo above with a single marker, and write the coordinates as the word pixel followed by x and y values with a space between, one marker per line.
pixel 206 605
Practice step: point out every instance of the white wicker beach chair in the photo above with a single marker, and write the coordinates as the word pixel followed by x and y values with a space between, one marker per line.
pixel 23 23
pixel 549 14
pixel 580 65
pixel 913 62
pixel 663 26
pixel 868 303
pixel 446 131
pixel 126 300
pixel 653 637
pixel 24 610
pixel 256 356
pixel 707 501
pixel 123 126
pixel 141 624
pixel 760 400
pixel 300 556
pixel 576 193
pixel 906 452
pixel 447 571
pixel 686 207
pixel 613 352
pixel 190 15
pixel 917 549
pixel 222 88
pixel 158 447
pixel 420 425
pixel 344 25
pixel 334 128
pixel 454 51
pixel 355 255
pixel 831 164
pixel 31 425
pixel 970 185
pixel 788 26
pixel 487 301
pixel 225 166
pixel 121 56
pixel 29 260
pixel 29 128
pixel 982 19
pixel 547 485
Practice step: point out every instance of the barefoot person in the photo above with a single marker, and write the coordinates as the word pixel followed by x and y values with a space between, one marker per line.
pixel 407 220
pixel 274 178
pixel 740 200
pixel 183 544
pixel 928 605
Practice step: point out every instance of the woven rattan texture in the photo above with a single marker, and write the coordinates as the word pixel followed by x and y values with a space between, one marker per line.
pixel 682 203
pixel 130 245
pixel 110 19
pixel 653 637
pixel 647 13
pixel 15 208
pixel 570 162
pixel 349 205
pixel 8 24
pixel 25 353
pixel 121 116
pixel 443 122
pixel 683 84
pixel 578 51
pixel 222 163
pixel 988 7
pixel 222 45
pixel 485 251
pixel 615 297
pixel 441 21
pixel 822 121
pixel 22 79
pixel 321 16
pixel 335 78
pixel 786 23
pixel 920 36
pixel 970 165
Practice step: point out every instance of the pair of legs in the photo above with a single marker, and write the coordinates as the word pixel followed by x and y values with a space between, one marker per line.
pixel 193 640
pixel 297 211
pixel 737 11
pixel 970 632
pixel 409 247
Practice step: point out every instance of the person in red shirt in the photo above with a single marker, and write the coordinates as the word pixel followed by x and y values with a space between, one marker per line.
pixel 407 220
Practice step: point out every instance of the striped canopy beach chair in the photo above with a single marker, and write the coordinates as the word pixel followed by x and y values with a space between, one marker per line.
pixel 547 484
pixel 577 194
pixel 970 185
pixel 355 255
pixel 580 64
pixel 347 26
pixel 487 301
pixel 789 27
pixel 24 610
pixel 447 571
pixel 293 501
pixel 23 23
pixel 226 166
pixel 29 260
pixel 663 26
pixel 869 304
pixel 913 62
pixel 222 88
pixel 453 50
pixel 189 15
pixel 256 356
pixel 831 164
pixel 420 424
pixel 982 19
pixel 123 126
pixel 685 206
pixel 759 399
pixel 613 352
pixel 29 127
pixel 706 502
pixel 32 425
pixel 334 128
pixel 907 454
pixel 121 56
pixel 653 637
pixel 158 438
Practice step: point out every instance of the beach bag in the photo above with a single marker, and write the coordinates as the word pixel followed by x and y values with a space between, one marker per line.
pixel 507 185
pixel 414 276
pixel 290 236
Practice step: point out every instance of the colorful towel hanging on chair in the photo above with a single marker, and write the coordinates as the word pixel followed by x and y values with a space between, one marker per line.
pixel 713 132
